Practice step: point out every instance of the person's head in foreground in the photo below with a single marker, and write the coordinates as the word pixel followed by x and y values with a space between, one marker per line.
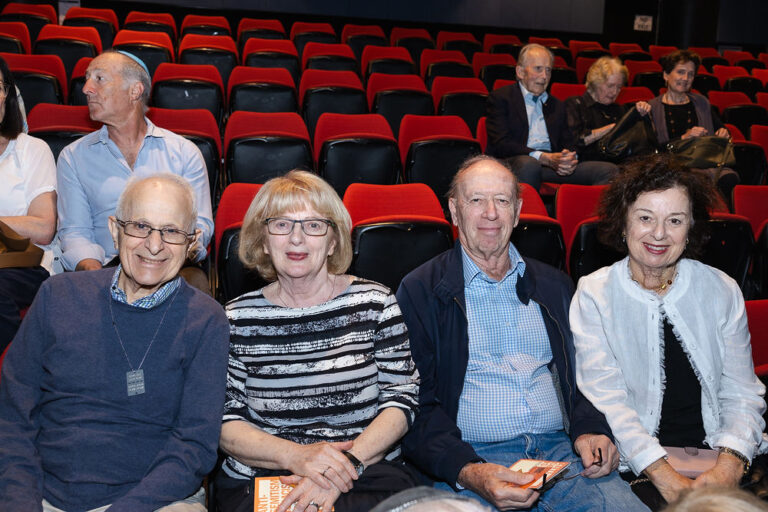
pixel 717 499
pixel 656 211
pixel 153 230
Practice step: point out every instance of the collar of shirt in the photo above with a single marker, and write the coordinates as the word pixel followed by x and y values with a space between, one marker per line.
pixel 528 95
pixel 10 151
pixel 148 302
pixel 472 270
pixel 152 131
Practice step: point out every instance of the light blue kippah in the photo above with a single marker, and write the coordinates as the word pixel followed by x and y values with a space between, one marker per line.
pixel 137 61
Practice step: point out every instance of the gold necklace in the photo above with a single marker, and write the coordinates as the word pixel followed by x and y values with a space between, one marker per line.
pixel 665 283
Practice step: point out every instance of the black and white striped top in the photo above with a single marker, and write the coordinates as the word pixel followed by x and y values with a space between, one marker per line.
pixel 320 373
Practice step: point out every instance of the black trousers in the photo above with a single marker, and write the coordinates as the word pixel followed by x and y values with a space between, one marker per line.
pixel 18 287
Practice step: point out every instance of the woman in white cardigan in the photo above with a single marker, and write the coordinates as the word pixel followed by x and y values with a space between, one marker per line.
pixel 662 345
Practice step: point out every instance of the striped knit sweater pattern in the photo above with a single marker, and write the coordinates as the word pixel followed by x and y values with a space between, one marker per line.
pixel 320 373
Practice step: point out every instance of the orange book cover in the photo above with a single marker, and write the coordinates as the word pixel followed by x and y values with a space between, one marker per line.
pixel 538 468
pixel 268 493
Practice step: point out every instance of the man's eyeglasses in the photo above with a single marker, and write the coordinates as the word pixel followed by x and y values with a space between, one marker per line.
pixel 311 227
pixel 143 230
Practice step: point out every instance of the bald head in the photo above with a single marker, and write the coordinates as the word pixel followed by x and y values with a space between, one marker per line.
pixel 172 186
pixel 477 164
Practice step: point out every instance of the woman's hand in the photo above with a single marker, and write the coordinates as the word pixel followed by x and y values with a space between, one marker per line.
pixel 307 495
pixel 727 472
pixel 643 107
pixel 324 464
pixel 723 132
pixel 694 131
pixel 669 482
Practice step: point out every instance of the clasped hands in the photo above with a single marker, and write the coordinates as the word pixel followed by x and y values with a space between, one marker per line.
pixel 563 163
pixel 320 473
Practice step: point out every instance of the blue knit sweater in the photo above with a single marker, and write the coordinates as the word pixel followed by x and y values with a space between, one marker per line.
pixel 69 432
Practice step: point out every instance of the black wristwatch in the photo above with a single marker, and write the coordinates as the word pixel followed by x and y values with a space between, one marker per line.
pixel 359 466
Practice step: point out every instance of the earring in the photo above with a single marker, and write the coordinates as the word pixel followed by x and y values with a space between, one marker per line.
pixel 623 238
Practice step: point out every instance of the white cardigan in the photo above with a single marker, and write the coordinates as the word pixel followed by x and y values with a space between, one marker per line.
pixel 618 333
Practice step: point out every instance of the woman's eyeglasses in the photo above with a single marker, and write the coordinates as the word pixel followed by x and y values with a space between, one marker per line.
pixel 310 227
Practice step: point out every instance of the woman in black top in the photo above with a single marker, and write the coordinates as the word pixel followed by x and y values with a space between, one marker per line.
pixel 592 115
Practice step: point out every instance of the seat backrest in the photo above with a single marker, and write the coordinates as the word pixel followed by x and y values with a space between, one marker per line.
pixel 261 28
pixel 445 36
pixel 576 46
pixel 482 132
pixel 634 94
pixel 103 20
pixel 723 73
pixel 34 16
pixel 638 66
pixel 659 51
pixel 335 126
pixel 730 245
pixel 50 66
pixel 414 128
pixel 335 50
pixel 617 49
pixel 378 82
pixel 69 43
pixel 18 31
pixel 704 51
pixel 443 85
pixel 757 319
pixel 482 59
pixel 573 204
pixel 582 66
pixel 205 25
pixel 399 33
pixel 759 135
pixel 532 202
pixel 491 40
pixel 547 41
pixel 565 91
pixel 321 78
pixel 733 56
pixel 60 125
pixel 724 99
pixel 374 53
pixel 151 22
pixel 762 75
pixel 429 57
pixel 751 201
pixel 586 252
pixel 412 201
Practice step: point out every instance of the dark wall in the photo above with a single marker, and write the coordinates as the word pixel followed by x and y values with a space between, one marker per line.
pixel 543 15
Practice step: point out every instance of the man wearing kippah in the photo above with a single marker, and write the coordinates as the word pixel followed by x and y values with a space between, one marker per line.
pixel 93 171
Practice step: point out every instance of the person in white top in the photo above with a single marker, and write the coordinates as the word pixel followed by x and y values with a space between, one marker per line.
pixel 27 204
pixel 662 343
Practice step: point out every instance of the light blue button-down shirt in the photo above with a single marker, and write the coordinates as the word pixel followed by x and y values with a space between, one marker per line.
pixel 92 172
pixel 538 136
pixel 508 388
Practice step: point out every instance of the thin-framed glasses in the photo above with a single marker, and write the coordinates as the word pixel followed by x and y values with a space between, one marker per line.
pixel 143 230
pixel 310 227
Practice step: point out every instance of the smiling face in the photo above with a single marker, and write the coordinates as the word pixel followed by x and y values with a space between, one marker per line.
pixel 536 71
pixel 485 210
pixel 298 255
pixel 680 79
pixel 607 92
pixel 657 229
pixel 109 95
pixel 148 263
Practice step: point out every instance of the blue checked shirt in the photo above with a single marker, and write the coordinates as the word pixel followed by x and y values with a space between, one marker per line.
pixel 508 389
pixel 538 136
pixel 148 302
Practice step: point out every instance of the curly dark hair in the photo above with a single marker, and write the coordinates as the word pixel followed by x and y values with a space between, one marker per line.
pixel 12 123
pixel 648 174
pixel 669 61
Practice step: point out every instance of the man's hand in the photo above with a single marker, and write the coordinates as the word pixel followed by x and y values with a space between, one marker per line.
pixel 563 163
pixel 598 454
pixel 88 264
pixel 499 485
pixel 727 472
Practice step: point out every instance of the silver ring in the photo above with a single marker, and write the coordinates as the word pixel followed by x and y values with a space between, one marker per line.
pixel 313 504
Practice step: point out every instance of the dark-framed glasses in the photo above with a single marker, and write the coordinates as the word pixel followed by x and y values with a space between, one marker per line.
pixel 310 227
pixel 143 230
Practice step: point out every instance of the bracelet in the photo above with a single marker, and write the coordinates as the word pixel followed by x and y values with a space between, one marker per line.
pixel 744 460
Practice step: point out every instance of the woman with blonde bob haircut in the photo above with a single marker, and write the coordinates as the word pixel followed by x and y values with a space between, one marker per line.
pixel 288 194
pixel 321 383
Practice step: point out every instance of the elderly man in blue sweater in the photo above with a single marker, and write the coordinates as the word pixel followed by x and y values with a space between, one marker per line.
pixel 113 389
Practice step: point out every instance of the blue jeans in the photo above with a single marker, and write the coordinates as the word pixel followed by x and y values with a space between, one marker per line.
pixel 609 493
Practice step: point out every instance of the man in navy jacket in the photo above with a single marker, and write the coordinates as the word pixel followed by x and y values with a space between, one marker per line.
pixel 529 128
pixel 489 333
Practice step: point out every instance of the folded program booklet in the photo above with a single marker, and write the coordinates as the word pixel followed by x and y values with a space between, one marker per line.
pixel 538 468
pixel 269 493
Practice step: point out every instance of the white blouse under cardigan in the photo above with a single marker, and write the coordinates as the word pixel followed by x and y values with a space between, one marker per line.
pixel 618 333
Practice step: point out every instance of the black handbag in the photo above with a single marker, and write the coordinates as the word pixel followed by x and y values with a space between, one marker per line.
pixel 705 152
pixel 633 135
